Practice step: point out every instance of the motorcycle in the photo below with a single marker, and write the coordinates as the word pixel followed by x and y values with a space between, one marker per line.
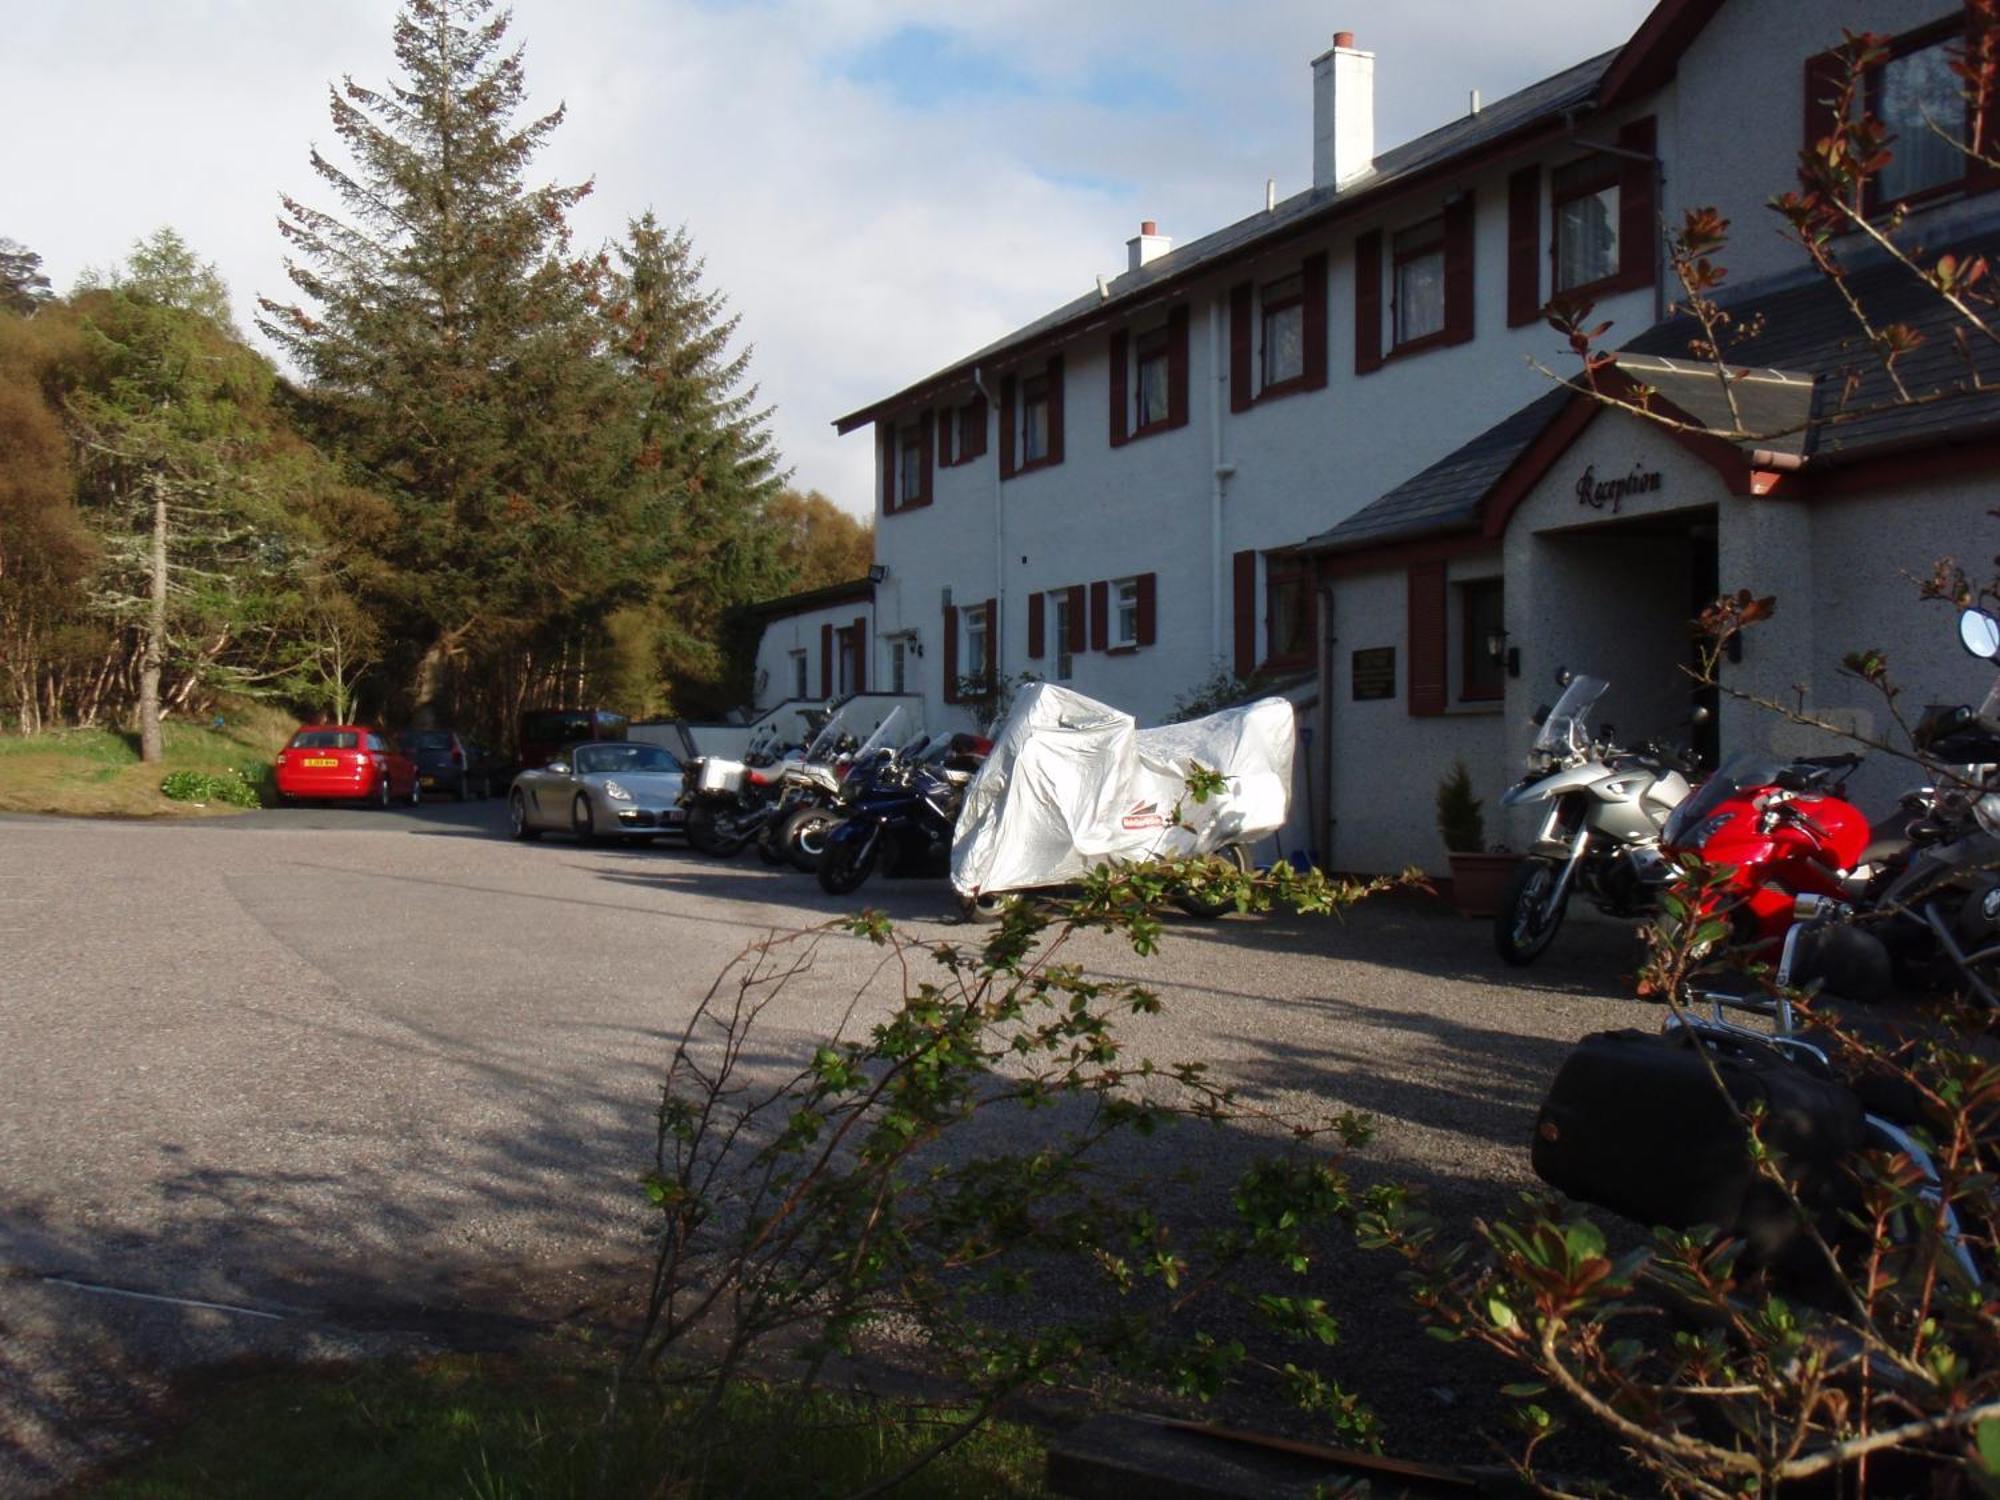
pixel 812 797
pixel 1781 828
pixel 1601 833
pixel 730 802
pixel 1635 1122
pixel 902 818
pixel 1938 897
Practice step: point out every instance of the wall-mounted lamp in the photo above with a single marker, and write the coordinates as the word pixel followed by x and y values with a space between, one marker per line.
pixel 877 572
pixel 1498 651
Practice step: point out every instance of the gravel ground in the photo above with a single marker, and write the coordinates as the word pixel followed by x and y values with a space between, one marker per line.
pixel 365 1081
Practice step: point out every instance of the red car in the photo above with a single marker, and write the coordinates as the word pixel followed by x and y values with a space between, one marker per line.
pixel 348 763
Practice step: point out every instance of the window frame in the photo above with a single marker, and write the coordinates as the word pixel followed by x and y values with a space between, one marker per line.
pixel 1124 606
pixel 1152 347
pixel 899 652
pixel 800 674
pixel 1481 679
pixel 974 626
pixel 1607 173
pixel 1433 247
pixel 1065 658
pixel 1035 394
pixel 1280 575
pixel 1270 307
pixel 1939 33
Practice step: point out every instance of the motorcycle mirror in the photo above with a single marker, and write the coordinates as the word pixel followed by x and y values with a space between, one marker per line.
pixel 1979 633
pixel 1542 712
pixel 1564 677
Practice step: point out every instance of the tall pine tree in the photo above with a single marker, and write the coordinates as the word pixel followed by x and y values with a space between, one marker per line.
pixel 452 343
pixel 700 463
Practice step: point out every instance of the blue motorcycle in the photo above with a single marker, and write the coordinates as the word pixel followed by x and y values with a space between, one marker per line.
pixel 901 819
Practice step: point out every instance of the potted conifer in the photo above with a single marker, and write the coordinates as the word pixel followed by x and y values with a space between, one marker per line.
pixel 1477 877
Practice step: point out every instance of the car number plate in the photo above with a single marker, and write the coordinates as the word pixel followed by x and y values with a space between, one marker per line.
pixel 325 760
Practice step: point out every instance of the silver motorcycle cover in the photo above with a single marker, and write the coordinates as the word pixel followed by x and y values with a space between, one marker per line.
pixel 1072 783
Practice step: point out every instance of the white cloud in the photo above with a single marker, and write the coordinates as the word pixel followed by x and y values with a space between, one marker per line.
pixel 864 244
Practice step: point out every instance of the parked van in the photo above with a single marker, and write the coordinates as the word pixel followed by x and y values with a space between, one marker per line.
pixel 544 731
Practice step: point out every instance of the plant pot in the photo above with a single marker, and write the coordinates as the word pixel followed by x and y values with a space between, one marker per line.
pixel 1478 880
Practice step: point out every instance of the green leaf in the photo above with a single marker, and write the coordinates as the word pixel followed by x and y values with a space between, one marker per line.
pixel 1501 1314
pixel 1986 1436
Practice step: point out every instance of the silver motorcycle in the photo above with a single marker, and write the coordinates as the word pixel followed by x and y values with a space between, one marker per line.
pixel 1601 833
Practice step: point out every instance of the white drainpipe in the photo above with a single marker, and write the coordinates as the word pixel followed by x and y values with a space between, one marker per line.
pixel 1220 473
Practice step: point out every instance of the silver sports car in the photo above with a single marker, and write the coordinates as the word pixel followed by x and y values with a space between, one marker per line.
pixel 599 789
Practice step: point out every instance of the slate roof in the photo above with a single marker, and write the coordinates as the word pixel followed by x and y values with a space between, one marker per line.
pixel 1572 89
pixel 1815 391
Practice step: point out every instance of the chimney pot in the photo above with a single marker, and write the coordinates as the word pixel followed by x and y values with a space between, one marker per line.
pixel 1343 39
pixel 1148 226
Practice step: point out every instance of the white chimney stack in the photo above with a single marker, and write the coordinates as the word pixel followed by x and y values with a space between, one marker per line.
pixel 1343 113
pixel 1147 245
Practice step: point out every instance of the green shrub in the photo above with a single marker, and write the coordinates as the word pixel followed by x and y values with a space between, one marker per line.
pixel 231 788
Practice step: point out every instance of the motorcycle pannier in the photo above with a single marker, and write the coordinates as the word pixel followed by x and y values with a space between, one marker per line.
pixel 1634 1123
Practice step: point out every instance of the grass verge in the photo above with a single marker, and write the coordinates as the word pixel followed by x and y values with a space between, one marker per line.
pixel 487 1427
pixel 97 772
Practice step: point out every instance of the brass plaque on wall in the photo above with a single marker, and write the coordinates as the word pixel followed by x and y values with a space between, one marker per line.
pixel 1375 673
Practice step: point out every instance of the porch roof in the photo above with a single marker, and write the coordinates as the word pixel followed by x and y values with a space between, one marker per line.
pixel 1809 393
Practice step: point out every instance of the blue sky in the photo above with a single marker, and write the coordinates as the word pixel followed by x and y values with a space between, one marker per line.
pixel 879 186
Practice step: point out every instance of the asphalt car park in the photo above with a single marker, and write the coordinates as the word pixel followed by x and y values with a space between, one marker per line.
pixel 303 1081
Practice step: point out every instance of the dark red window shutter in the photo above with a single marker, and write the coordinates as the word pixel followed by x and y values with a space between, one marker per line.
pixel 1036 647
pixel 861 653
pixel 1638 207
pixel 950 654
pixel 1245 591
pixel 947 450
pixel 1177 365
pixel 1055 408
pixel 885 460
pixel 1458 260
pixel 1312 313
pixel 1240 298
pixel 924 464
pixel 1148 608
pixel 1524 247
pixel 1826 75
pixel 972 429
pixel 1100 615
pixel 992 643
pixel 1007 384
pixel 1120 356
pixel 1368 302
pixel 1427 639
pixel 1077 640
pixel 826 661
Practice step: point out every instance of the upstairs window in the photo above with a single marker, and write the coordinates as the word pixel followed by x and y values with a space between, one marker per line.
pixel 910 467
pixel 1586 197
pixel 1284 327
pixel 1066 632
pixel 1419 284
pixel 961 433
pixel 1150 354
pixel 1034 419
pixel 1922 104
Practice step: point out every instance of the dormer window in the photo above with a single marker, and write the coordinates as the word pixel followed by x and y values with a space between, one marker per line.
pixel 1419 286
pixel 910 474
pixel 904 460
pixel 1284 330
pixel 1586 197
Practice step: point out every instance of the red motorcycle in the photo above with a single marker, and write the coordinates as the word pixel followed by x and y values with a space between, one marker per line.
pixel 1781 828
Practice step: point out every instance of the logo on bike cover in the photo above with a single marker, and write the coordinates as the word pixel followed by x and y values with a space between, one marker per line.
pixel 1144 815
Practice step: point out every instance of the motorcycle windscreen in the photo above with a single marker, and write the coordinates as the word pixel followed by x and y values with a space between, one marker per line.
pixel 888 727
pixel 1742 772
pixel 1567 728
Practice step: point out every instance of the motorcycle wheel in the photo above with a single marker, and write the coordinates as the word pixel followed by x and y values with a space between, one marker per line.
pixel 846 863
pixel 700 829
pixel 803 837
pixel 988 907
pixel 770 843
pixel 1528 921
pixel 1208 907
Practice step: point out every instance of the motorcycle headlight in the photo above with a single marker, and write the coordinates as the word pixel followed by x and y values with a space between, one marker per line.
pixel 616 792
pixel 1986 813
